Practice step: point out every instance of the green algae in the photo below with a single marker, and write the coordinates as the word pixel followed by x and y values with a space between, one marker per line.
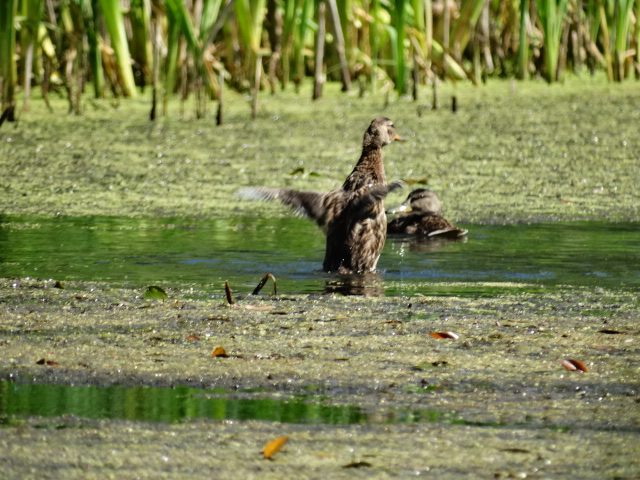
pixel 530 153
pixel 504 372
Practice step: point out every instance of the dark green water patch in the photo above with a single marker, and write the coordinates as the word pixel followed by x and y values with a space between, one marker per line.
pixel 165 405
pixel 173 252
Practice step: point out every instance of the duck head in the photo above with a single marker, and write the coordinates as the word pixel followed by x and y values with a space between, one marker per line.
pixel 381 132
pixel 421 200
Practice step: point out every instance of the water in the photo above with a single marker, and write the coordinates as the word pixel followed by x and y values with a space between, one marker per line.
pixel 172 252
pixel 155 404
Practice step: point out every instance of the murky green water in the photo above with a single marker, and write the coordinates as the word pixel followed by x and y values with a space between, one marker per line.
pixel 181 403
pixel 174 252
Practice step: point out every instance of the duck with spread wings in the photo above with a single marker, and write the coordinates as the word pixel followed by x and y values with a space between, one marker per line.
pixel 352 216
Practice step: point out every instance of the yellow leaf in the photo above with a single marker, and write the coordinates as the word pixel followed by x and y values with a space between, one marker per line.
pixel 219 352
pixel 274 446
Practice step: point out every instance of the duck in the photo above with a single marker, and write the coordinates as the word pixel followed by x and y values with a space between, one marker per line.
pixel 423 217
pixel 352 217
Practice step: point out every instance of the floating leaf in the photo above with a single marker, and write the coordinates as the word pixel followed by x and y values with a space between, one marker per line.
pixel 191 338
pixel 262 283
pixel 227 291
pixel 612 332
pixel 154 293
pixel 413 181
pixel 58 284
pixel 50 363
pixel 574 365
pixel 441 335
pixel 297 171
pixel 515 450
pixel 273 447
pixel 218 319
pixel 393 323
pixel 357 465
pixel 220 352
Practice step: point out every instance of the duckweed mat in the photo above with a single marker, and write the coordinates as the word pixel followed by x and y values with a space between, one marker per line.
pixel 497 400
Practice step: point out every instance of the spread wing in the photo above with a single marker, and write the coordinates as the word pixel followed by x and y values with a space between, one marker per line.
pixel 309 204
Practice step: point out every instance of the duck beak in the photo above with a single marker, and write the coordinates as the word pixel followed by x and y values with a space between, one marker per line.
pixel 398 138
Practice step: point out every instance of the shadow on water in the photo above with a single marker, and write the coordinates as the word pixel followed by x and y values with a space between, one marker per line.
pixel 494 259
pixel 154 404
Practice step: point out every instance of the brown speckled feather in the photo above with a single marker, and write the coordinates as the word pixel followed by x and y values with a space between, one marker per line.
pixel 425 217
pixel 353 216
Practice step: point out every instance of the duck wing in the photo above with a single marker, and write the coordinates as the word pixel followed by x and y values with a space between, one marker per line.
pixel 309 204
pixel 436 225
pixel 404 224
pixel 368 196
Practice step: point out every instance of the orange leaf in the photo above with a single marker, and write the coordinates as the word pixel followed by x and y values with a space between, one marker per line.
pixel 274 446
pixel 574 365
pixel 444 335
pixel 220 352
pixel 191 338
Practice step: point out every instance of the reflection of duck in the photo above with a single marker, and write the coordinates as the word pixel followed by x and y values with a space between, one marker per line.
pixel 424 217
pixel 352 216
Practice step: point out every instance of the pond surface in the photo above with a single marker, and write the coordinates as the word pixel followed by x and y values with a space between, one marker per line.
pixel 174 252
pixel 164 405
pixel 155 404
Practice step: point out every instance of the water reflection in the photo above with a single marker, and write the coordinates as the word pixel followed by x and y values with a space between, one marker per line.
pixel 174 252
pixel 413 244
pixel 165 404
pixel 367 285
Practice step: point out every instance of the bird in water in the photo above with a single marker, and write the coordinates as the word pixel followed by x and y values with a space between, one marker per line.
pixel 423 217
pixel 353 216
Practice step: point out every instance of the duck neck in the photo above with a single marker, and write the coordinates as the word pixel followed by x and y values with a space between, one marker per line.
pixel 368 171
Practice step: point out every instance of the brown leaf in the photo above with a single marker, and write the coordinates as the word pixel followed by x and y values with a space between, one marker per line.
pixel 218 319
pixel 574 365
pixel 262 283
pixel 50 363
pixel 191 338
pixel 220 352
pixel 273 447
pixel 227 291
pixel 393 323
pixel 413 181
pixel 444 335
pixel 357 465
pixel 612 332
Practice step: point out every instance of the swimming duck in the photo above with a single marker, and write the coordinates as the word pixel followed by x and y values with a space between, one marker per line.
pixel 352 216
pixel 423 217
